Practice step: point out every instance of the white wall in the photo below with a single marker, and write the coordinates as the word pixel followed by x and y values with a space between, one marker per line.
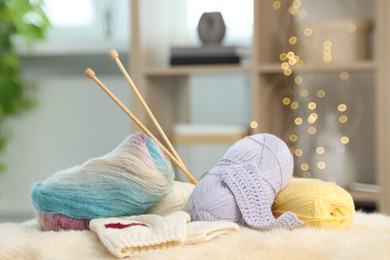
pixel 73 122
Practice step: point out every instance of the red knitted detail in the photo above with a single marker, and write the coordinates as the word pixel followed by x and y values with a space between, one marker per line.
pixel 122 226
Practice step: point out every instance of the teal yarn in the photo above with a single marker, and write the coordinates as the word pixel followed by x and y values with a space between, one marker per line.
pixel 125 182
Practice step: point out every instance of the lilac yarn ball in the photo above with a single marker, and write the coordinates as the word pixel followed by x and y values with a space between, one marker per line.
pixel 213 201
pixel 243 185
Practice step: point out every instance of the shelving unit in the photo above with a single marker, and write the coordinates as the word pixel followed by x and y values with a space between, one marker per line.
pixel 166 87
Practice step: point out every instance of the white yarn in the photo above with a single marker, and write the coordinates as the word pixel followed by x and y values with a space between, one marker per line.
pixel 175 200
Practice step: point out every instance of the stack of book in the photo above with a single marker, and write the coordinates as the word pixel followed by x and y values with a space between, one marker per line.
pixel 207 54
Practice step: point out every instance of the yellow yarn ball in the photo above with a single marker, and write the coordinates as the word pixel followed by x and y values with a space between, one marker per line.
pixel 318 203
pixel 175 200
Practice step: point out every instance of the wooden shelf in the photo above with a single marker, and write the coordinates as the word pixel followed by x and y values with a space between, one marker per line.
pixel 167 87
pixel 208 133
pixel 329 67
pixel 274 68
pixel 362 196
pixel 193 69
pixel 266 68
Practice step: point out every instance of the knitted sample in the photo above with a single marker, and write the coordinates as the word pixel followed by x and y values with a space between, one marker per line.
pixel 126 181
pixel 129 236
pixel 251 173
pixel 318 203
pixel 203 231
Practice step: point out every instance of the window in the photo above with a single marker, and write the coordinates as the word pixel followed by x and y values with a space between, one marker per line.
pixel 83 20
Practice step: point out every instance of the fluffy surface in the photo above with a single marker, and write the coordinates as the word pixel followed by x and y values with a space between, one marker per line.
pixel 367 238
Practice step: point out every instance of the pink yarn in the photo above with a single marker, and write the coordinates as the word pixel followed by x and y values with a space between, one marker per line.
pixel 57 222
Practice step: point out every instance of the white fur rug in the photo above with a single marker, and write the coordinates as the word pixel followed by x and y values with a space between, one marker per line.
pixel 367 238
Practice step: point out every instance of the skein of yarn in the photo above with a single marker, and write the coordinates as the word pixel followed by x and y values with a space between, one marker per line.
pixel 243 185
pixel 318 203
pixel 58 222
pixel 212 200
pixel 125 182
pixel 175 200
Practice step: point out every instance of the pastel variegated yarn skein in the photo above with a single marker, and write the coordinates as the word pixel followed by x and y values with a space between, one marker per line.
pixel 243 185
pixel 124 182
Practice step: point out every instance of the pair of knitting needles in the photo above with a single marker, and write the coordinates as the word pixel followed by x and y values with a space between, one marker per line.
pixel 172 154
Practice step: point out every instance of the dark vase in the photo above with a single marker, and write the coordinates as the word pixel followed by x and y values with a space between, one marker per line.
pixel 211 28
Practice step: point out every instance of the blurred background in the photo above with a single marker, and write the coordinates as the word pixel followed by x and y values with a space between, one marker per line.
pixel 307 71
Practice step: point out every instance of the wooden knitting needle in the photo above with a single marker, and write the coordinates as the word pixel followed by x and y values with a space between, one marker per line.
pixel 91 74
pixel 115 56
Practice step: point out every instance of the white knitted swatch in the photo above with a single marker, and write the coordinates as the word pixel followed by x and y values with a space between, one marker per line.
pixel 202 231
pixel 128 236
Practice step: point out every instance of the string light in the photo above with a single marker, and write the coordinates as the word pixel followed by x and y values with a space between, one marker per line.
pixel 312 118
pixel 292 40
pixel 289 59
pixel 308 32
pixel 351 28
pixel 311 106
pixel 342 107
pixel 344 75
pixel 286 101
pixel 304 105
pixel 285 65
pixel 298 80
pixel 293 138
pixel 305 167
pixel 321 165
pixel 298 152
pixel 293 10
pixel 321 93
pixel 312 130
pixel 283 56
pixel 296 3
pixel 294 105
pixel 304 92
pixel 320 150
pixel 327 51
pixel 253 124
pixel 344 139
pixel 290 55
pixel 343 119
pixel 287 72
pixel 298 121
pixel 277 4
